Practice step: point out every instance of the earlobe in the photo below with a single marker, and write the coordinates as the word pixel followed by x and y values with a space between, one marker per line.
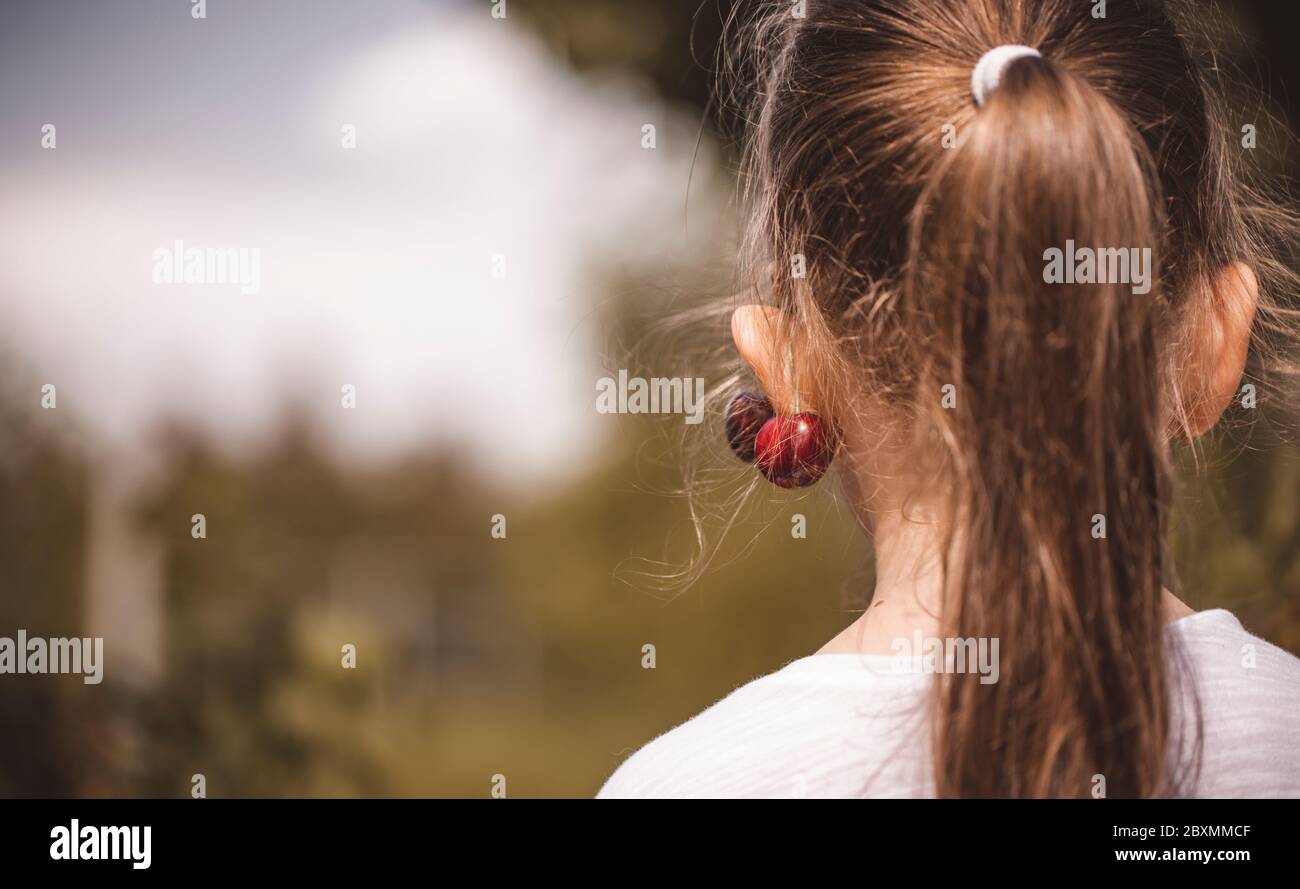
pixel 753 329
pixel 1220 345
pixel 763 341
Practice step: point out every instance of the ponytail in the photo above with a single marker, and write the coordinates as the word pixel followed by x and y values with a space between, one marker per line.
pixel 1054 448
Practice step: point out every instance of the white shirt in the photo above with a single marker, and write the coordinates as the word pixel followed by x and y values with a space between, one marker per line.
pixel 849 725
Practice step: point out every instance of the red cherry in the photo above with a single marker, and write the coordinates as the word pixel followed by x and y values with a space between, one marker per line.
pixel 794 451
pixel 746 414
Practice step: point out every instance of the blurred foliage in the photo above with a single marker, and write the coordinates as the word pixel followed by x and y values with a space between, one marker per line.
pixel 672 42
pixel 477 656
pixel 44 722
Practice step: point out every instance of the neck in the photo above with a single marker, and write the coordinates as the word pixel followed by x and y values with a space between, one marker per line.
pixel 908 594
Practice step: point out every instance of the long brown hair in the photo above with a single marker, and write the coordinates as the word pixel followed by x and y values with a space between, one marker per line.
pixel 922 222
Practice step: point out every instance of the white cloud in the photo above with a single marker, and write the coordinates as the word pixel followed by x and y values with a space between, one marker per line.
pixel 375 262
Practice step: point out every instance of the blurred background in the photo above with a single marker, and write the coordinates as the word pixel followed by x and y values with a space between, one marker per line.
pixel 496 239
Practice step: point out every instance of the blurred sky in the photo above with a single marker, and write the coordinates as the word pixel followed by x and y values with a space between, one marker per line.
pixel 472 140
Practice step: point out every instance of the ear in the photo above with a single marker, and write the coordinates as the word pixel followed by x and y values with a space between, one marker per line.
pixel 765 342
pixel 1217 346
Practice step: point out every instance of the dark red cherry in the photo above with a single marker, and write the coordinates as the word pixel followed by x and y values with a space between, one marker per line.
pixel 794 451
pixel 746 414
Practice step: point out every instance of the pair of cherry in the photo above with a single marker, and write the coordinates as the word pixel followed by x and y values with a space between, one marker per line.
pixel 791 451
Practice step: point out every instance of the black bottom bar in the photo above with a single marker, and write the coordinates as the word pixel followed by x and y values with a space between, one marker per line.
pixel 331 838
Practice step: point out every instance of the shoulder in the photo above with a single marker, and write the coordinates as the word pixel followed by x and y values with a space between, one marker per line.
pixel 805 730
pixel 1222 653
pixel 1245 696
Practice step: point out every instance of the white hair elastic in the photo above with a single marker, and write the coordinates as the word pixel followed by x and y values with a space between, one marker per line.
pixel 988 71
